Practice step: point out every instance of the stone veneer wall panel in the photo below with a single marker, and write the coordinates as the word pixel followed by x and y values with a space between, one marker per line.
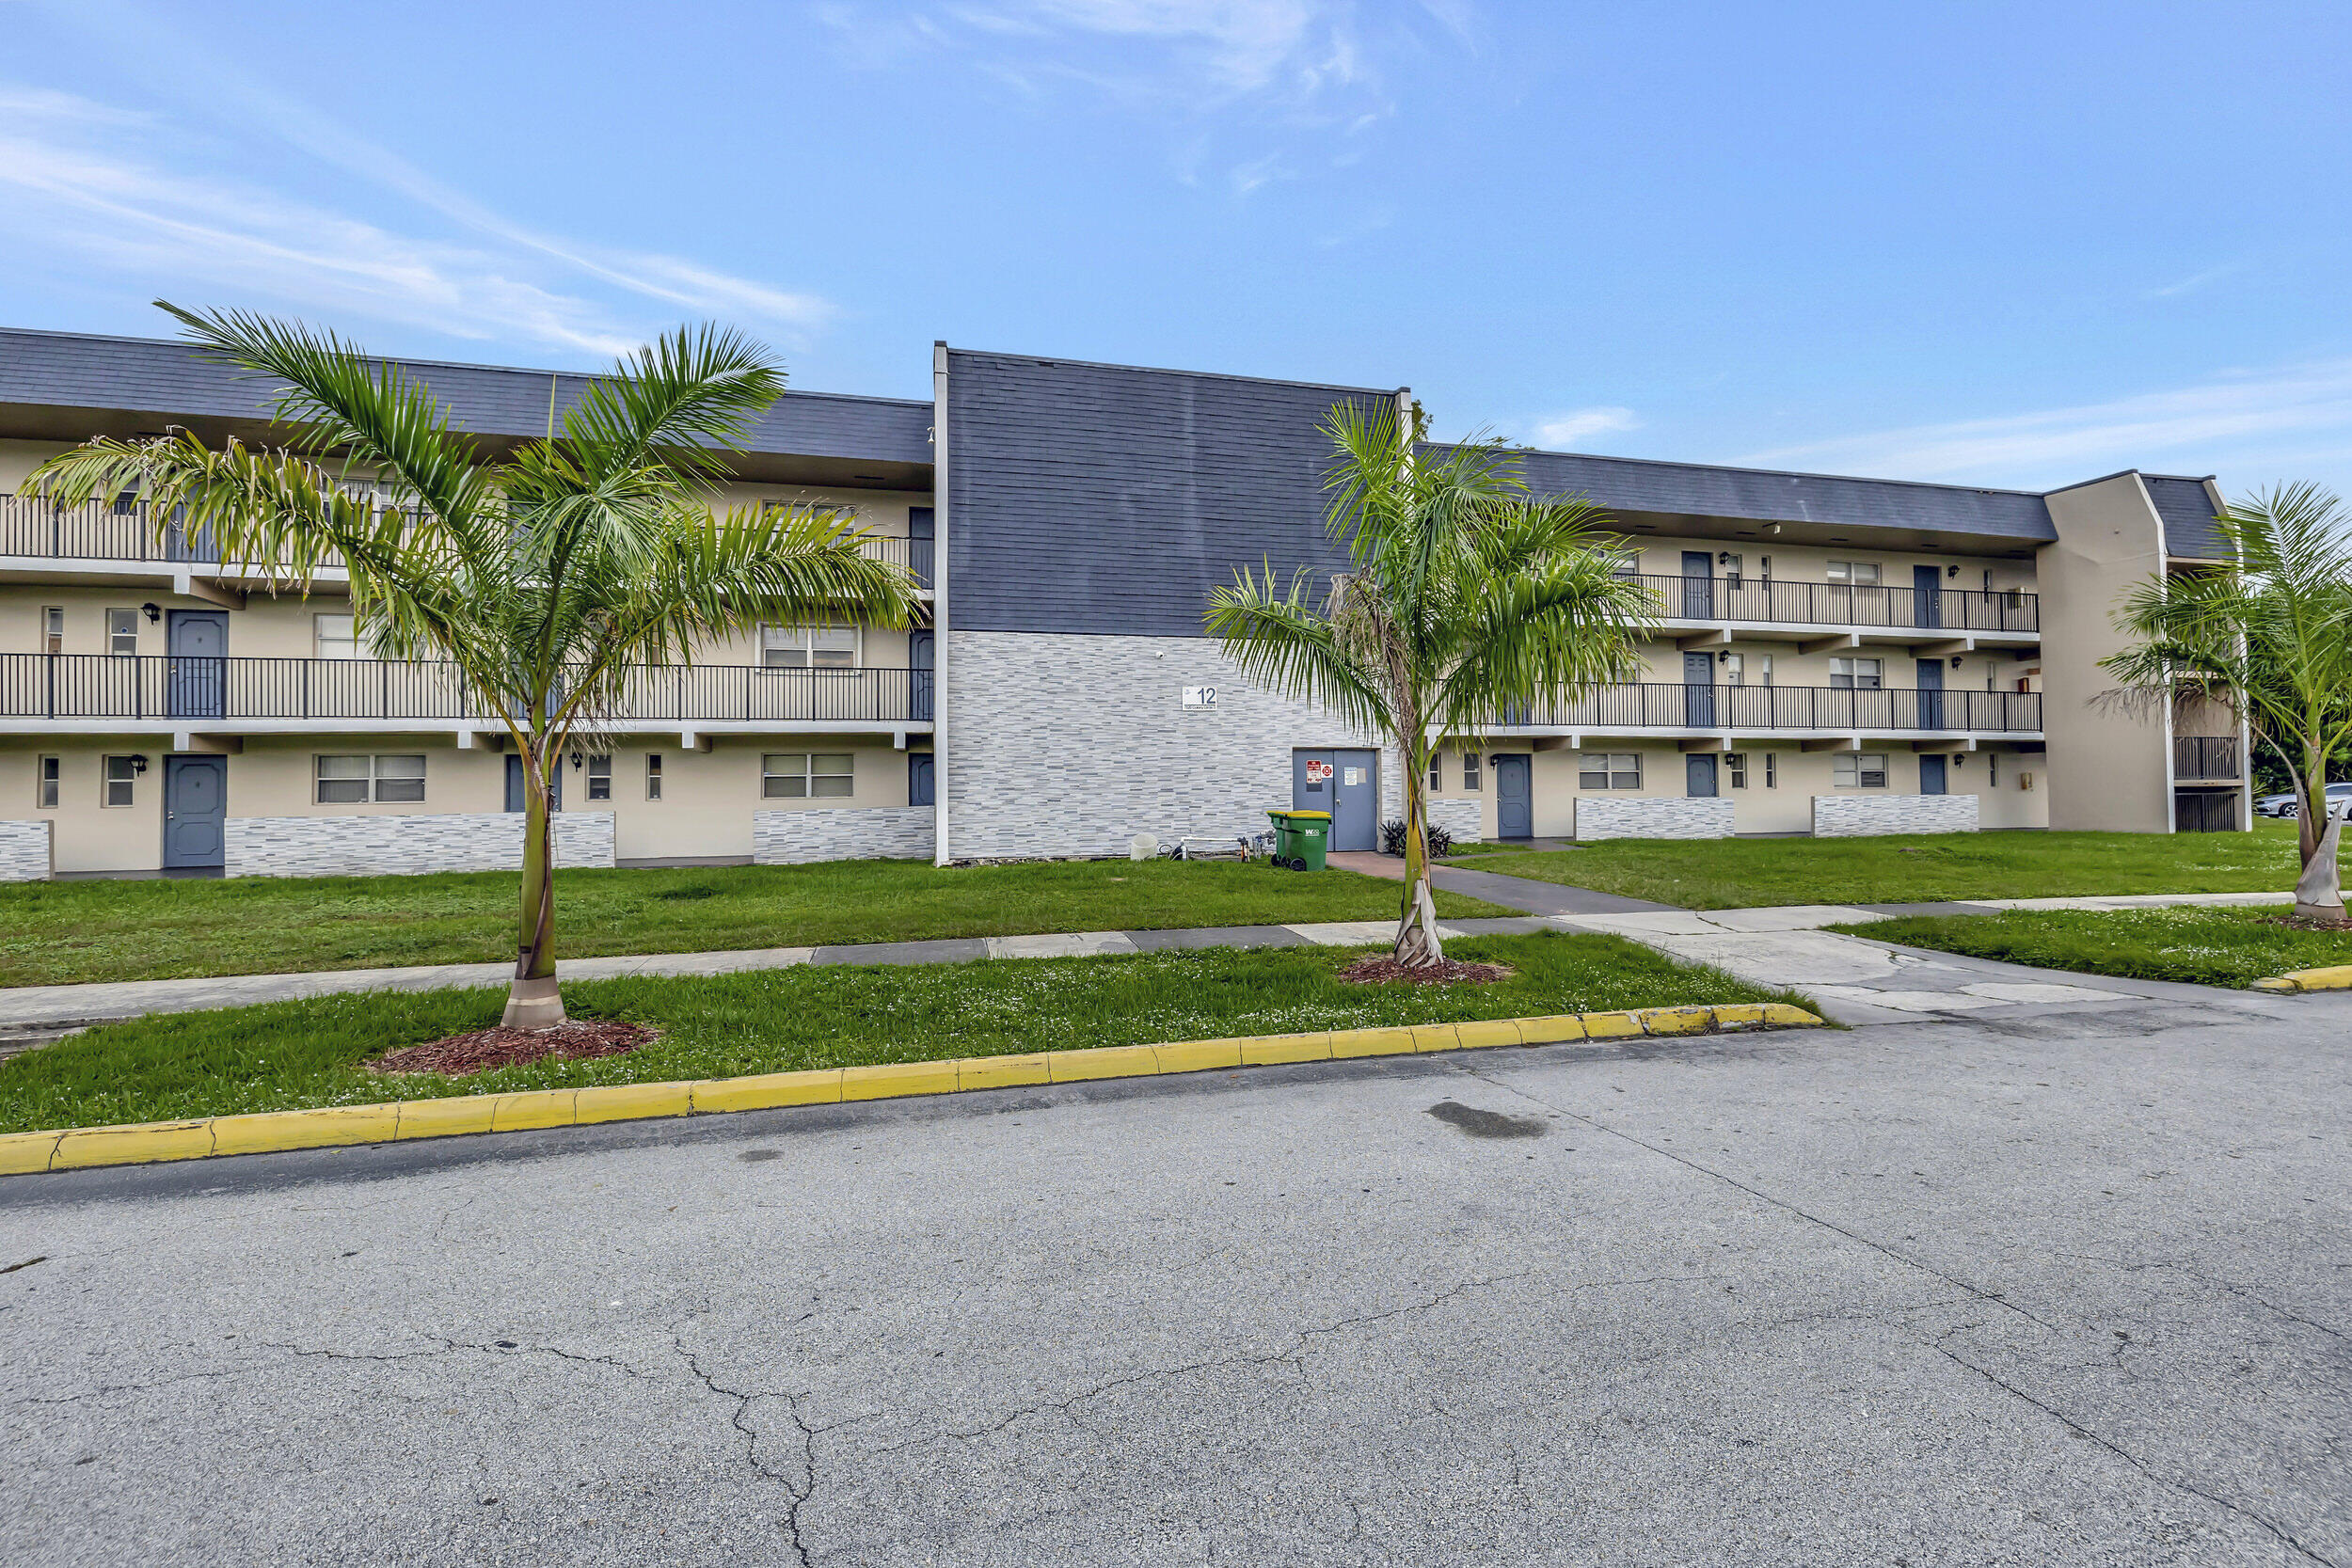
pixel 1462 818
pixel 1652 817
pixel 405 845
pixel 1073 745
pixel 24 851
pixel 844 834
pixel 1866 816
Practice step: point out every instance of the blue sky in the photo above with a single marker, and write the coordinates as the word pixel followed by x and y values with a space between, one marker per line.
pixel 2016 244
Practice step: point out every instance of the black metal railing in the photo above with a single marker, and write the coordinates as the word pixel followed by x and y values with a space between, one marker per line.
pixel 1839 604
pixel 2206 756
pixel 1664 707
pixel 177 686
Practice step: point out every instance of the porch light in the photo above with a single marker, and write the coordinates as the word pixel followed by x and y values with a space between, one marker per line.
pixel 1723 558
pixel 138 762
pixel 1952 571
pixel 1956 662
pixel 152 612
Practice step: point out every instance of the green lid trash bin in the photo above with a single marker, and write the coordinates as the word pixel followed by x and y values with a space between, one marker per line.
pixel 1300 838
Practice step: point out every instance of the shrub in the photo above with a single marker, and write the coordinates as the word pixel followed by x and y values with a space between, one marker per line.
pixel 1392 839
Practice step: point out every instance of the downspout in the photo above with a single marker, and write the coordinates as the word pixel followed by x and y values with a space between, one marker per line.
pixel 2172 696
pixel 942 526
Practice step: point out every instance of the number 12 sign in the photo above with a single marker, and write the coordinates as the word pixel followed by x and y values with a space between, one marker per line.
pixel 1200 696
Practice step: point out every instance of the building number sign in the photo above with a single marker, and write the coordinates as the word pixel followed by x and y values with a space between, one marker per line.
pixel 1200 696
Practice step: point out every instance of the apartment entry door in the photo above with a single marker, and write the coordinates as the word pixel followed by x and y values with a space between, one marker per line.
pixel 1514 800
pixel 1698 776
pixel 1927 596
pixel 514 782
pixel 198 641
pixel 1932 779
pixel 1346 785
pixel 1698 691
pixel 1930 693
pixel 196 812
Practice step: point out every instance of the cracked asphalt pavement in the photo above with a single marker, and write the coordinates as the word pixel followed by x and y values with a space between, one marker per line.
pixel 2071 1287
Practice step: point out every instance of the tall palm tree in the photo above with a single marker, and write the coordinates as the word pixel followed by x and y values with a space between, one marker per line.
pixel 545 576
pixel 1463 594
pixel 2270 635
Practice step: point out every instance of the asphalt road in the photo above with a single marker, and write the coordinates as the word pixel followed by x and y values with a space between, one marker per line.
pixel 2072 1288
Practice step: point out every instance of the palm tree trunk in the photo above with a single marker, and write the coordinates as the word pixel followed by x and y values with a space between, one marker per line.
pixel 1417 942
pixel 2319 891
pixel 533 1000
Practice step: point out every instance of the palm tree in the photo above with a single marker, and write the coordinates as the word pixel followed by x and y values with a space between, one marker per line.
pixel 2267 636
pixel 546 577
pixel 1462 595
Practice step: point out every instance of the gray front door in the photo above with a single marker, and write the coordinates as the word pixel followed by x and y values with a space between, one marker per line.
pixel 1698 776
pixel 1931 779
pixel 514 783
pixel 922 521
pixel 1699 585
pixel 1514 798
pixel 1927 596
pixel 198 642
pixel 920 655
pixel 1346 785
pixel 196 811
pixel 1930 693
pixel 1698 691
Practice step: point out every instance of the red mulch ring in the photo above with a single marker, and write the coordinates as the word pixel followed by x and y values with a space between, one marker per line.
pixel 461 1055
pixel 2302 923
pixel 1381 967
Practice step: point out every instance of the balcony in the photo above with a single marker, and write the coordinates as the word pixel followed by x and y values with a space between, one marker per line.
pixel 88 691
pixel 1796 709
pixel 1752 601
pixel 2206 758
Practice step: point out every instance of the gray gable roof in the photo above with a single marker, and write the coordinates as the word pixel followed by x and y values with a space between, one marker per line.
pixel 157 376
pixel 1620 484
pixel 2187 510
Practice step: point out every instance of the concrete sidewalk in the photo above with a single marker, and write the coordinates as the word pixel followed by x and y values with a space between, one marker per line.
pixel 1513 893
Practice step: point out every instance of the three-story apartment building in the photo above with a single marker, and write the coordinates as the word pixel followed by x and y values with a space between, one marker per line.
pixel 1831 655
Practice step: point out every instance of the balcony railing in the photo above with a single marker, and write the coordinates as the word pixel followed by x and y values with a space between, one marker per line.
pixel 125 530
pixel 2206 756
pixel 229 690
pixel 1839 604
pixel 1663 706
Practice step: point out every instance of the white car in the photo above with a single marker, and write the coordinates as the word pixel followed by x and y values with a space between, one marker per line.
pixel 2339 804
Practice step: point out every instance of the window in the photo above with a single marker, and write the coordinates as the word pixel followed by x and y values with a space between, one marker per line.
pixel 1764 568
pixel 52 629
pixel 1731 570
pixel 1469 769
pixel 1608 770
pixel 805 775
pixel 334 637
pixel 600 778
pixel 1859 770
pixel 1854 574
pixel 46 779
pixel 122 632
pixel 1736 768
pixel 1854 674
pixel 354 781
pixel 1772 771
pixel 808 648
pixel 653 775
pixel 120 771
pixel 1764 668
pixel 1437 770
pixel 1992 768
pixel 1734 670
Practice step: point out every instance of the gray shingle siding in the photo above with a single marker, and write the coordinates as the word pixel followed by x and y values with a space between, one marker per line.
pixel 1689 489
pixel 156 376
pixel 2186 512
pixel 1099 499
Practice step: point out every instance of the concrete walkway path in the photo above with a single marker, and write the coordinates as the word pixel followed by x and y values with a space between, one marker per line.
pixel 1512 892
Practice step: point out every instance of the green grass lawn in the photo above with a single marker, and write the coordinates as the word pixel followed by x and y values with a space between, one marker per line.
pixel 288 1054
pixel 56 933
pixel 2204 947
pixel 1738 873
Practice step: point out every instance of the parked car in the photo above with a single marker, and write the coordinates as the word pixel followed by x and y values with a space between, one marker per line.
pixel 2339 804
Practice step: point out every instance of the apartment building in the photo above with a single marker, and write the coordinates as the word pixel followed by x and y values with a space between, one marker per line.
pixel 1832 656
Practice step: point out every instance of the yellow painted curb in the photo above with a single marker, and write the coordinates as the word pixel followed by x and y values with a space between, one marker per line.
pixel 2334 977
pixel 266 1131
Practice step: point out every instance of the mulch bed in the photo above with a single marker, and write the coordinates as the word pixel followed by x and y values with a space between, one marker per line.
pixel 2300 922
pixel 461 1055
pixel 1381 967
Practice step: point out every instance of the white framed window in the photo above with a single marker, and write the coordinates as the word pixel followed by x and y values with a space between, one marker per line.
pixel 653 775
pixel 1469 770
pixel 1608 770
pixel 1437 770
pixel 1855 674
pixel 808 775
pixel 335 636
pixel 122 632
pixel 1736 768
pixel 1734 670
pixel 1992 768
pixel 52 629
pixel 350 781
pixel 48 776
pixel 1731 568
pixel 1772 771
pixel 1854 574
pixel 119 789
pixel 600 778
pixel 1764 669
pixel 1859 770
pixel 809 647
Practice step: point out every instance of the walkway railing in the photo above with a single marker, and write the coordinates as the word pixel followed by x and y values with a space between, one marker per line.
pixel 1839 604
pixel 2206 756
pixel 1660 706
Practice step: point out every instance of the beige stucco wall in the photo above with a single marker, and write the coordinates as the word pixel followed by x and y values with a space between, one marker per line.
pixel 2109 771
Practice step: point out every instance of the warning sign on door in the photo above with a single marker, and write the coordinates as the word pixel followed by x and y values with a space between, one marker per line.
pixel 1318 772
pixel 1349 777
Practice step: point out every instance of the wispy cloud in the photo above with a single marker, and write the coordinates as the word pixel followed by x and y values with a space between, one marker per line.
pixel 2192 283
pixel 2246 419
pixel 1580 425
pixel 129 194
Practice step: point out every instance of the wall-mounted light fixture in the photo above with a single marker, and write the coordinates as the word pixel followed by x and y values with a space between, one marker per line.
pixel 153 611
pixel 1723 558
pixel 1771 530
pixel 1952 571
pixel 578 761
pixel 1956 662
pixel 1724 657
pixel 138 762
